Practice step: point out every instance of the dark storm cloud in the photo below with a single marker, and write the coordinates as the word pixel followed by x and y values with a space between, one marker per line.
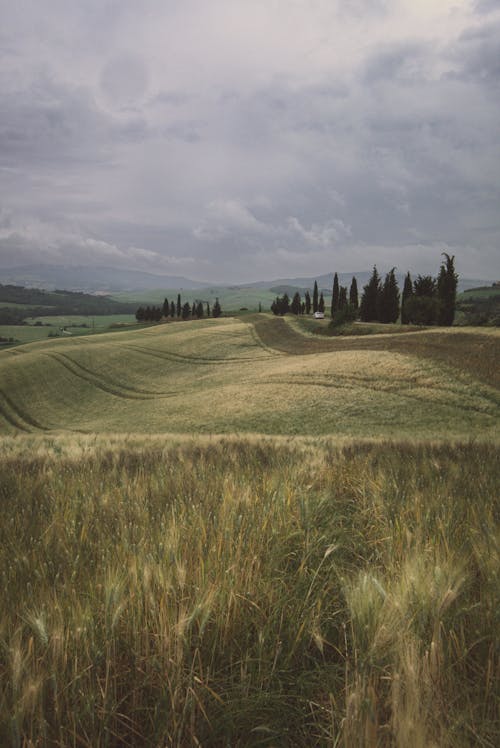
pixel 232 140
pixel 477 54
pixel 486 6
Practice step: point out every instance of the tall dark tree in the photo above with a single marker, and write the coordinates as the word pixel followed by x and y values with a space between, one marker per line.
pixel 199 310
pixel 296 305
pixel 179 305
pixel 216 311
pixel 186 310
pixel 140 314
pixel 166 308
pixel 335 294
pixel 321 303
pixel 369 300
pixel 342 298
pixel 388 299
pixel 353 294
pixel 447 290
pixel 421 308
pixel 315 297
pixel 405 297
pixel 208 309
pixel 308 303
pixel 193 309
pixel 172 309
pixel 260 306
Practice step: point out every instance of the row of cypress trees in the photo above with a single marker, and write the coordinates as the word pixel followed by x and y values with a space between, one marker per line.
pixel 341 300
pixel 178 310
pixel 424 301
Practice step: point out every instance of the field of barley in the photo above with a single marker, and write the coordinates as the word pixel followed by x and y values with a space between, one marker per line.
pixel 234 533
pixel 254 375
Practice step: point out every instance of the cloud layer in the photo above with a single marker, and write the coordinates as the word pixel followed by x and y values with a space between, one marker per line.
pixel 235 140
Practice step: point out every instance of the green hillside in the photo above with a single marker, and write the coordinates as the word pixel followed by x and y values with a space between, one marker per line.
pixel 256 374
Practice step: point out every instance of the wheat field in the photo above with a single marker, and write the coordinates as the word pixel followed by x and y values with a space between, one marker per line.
pixel 228 533
pixel 233 376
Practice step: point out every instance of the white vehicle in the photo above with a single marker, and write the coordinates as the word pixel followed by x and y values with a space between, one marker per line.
pixel 319 315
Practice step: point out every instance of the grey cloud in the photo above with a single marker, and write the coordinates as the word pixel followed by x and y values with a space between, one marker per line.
pixel 477 55
pixel 125 79
pixel 403 61
pixel 191 151
pixel 485 6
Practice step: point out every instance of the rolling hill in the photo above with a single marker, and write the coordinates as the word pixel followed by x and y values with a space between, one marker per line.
pixel 254 375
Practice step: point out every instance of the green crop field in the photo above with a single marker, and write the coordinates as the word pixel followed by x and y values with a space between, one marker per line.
pixel 231 299
pixel 235 532
pixel 256 374
pixel 50 326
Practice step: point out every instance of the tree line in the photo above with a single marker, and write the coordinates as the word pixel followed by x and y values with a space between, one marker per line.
pixel 424 301
pixel 178 310
pixel 343 301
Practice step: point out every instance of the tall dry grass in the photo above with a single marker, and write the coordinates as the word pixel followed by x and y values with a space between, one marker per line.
pixel 236 593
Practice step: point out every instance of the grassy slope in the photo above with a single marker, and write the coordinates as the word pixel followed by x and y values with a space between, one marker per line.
pixel 231 592
pixel 283 590
pixel 254 375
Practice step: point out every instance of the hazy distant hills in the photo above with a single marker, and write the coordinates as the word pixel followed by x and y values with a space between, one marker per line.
pixel 114 279
pixel 96 279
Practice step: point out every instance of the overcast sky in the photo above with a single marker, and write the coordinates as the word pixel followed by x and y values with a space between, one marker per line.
pixel 235 140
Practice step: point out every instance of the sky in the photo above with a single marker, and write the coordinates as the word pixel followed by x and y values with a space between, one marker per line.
pixel 238 140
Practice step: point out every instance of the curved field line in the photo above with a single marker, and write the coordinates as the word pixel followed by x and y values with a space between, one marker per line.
pixel 477 355
pixel 108 380
pixel 10 419
pixel 17 417
pixel 344 383
pixel 183 359
pixel 96 382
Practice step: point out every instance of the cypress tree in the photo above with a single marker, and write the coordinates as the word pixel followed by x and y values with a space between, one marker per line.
pixel 186 310
pixel 335 295
pixel 406 296
pixel 353 294
pixel 179 305
pixel 388 299
pixel 208 309
pixel 172 309
pixel 321 304
pixel 147 314
pixel 216 311
pixel 193 309
pixel 422 306
pixel 315 297
pixel 166 308
pixel 296 305
pixel 199 310
pixel 369 300
pixel 308 303
pixel 342 298
pixel 447 290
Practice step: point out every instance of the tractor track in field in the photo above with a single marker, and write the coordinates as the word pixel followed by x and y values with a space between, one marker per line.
pixel 17 417
pixel 180 358
pixel 399 388
pixel 105 384
pixel 470 352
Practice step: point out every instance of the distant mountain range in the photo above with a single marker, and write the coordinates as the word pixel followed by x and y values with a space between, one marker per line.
pixel 92 279
pixel 112 280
